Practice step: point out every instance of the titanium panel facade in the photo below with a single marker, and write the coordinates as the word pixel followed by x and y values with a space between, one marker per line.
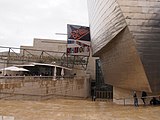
pixel 105 22
pixel 125 34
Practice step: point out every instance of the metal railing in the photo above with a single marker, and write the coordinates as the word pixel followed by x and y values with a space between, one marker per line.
pixel 131 98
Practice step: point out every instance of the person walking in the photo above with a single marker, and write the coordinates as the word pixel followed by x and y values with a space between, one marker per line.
pixel 135 99
pixel 144 95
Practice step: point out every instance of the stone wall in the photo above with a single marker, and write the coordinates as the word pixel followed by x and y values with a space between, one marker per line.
pixel 44 88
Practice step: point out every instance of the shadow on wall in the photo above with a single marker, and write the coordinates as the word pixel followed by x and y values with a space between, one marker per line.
pixel 148 47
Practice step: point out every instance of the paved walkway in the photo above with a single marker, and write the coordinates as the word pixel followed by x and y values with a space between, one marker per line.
pixel 63 109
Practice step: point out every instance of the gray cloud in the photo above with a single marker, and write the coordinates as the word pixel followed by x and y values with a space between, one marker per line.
pixel 23 20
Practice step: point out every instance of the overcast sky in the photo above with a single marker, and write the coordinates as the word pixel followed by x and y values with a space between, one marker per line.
pixel 23 20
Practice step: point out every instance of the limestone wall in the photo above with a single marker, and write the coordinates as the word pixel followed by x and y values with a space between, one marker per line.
pixel 41 88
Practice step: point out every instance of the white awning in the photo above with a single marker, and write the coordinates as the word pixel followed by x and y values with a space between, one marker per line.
pixel 25 65
pixel 13 68
pixel 43 64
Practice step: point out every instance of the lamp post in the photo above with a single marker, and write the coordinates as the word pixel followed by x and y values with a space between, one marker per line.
pixel 61 34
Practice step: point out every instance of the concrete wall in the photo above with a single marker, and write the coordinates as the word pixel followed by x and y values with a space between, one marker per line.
pixel 39 87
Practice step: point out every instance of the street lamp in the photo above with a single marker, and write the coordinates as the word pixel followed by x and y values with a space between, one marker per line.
pixel 61 34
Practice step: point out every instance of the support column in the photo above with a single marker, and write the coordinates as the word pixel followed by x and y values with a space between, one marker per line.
pixel 62 73
pixel 55 73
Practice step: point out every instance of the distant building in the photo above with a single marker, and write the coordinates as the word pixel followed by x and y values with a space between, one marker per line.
pixel 53 47
pixel 45 59
pixel 46 51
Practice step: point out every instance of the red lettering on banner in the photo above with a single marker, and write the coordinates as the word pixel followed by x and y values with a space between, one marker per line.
pixel 77 34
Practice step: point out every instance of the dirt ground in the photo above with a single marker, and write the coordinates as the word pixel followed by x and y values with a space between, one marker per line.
pixel 65 109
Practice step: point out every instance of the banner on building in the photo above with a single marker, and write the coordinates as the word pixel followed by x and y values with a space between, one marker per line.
pixel 78 40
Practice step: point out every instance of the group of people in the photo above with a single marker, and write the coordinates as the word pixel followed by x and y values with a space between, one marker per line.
pixel 143 97
pixel 153 101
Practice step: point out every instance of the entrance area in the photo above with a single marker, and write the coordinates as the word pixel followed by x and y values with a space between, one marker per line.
pixel 98 88
pixel 104 94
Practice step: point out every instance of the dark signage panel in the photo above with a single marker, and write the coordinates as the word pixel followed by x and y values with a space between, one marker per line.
pixel 77 32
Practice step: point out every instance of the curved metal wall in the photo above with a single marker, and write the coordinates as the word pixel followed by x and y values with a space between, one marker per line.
pixel 143 21
pixel 105 22
pixel 140 22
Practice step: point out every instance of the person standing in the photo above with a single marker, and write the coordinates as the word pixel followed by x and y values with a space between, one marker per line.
pixel 135 99
pixel 144 94
pixel 94 97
